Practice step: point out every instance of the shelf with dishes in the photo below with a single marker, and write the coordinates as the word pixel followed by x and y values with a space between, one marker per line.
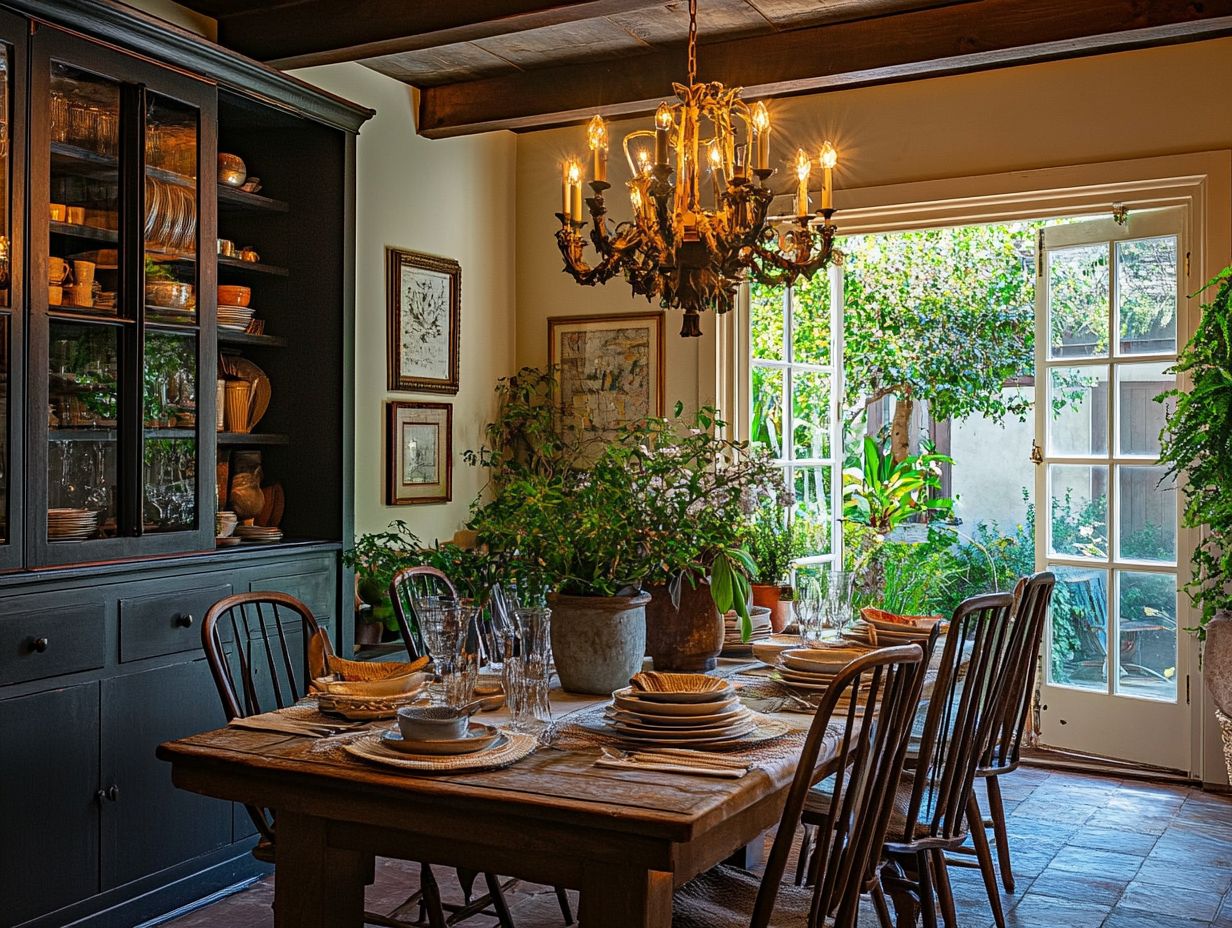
pixel 238 340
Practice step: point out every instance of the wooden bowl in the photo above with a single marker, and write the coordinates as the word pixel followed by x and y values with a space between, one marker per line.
pixel 234 295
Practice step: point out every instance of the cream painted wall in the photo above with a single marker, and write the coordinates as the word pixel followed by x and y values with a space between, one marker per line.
pixel 1104 108
pixel 453 198
pixel 179 15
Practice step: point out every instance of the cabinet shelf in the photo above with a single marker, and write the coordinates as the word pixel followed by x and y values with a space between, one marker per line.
pixel 243 339
pixel 92 434
pixel 235 199
pixel 251 267
pixel 90 233
pixel 252 438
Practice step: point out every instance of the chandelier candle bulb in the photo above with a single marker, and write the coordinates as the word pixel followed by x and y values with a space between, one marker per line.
pixel 803 167
pixel 663 125
pixel 828 159
pixel 597 136
pixel 761 136
pixel 566 192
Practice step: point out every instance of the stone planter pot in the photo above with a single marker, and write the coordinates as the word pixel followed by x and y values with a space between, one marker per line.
pixel 771 596
pixel 598 642
pixel 686 639
pixel 368 632
pixel 1217 668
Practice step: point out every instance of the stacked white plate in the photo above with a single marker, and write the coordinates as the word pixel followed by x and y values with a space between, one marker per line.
pixel 259 533
pixel 235 318
pixel 759 617
pixel 71 524
pixel 812 670
pixel 874 630
pixel 698 711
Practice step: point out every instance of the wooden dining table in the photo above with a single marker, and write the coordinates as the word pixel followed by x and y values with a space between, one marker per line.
pixel 624 838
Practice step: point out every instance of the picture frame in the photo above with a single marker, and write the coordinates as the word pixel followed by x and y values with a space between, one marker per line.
pixel 423 332
pixel 609 369
pixel 418 453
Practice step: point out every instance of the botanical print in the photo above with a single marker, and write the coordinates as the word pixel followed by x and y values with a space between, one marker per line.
pixel 609 370
pixel 425 335
pixel 419 453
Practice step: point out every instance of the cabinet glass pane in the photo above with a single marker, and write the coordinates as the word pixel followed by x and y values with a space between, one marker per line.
pixel 170 211
pixel 82 430
pixel 169 407
pixel 1146 634
pixel 1078 302
pixel 85 184
pixel 1078 411
pixel 4 428
pixel 1146 296
pixel 1139 417
pixel 1078 510
pixel 5 185
pixel 1079 629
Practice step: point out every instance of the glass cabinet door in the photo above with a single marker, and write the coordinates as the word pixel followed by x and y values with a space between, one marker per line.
pixel 12 144
pixel 117 322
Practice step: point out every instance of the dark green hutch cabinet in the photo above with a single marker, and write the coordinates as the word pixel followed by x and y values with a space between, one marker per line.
pixel 113 443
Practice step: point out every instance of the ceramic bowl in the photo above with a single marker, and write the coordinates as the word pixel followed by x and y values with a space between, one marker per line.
pixel 170 294
pixel 234 295
pixel 432 723
pixel 231 170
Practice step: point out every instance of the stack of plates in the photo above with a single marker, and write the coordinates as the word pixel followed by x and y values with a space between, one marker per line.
pixel 71 524
pixel 812 670
pixel 732 642
pixel 874 629
pixel 690 710
pixel 235 318
pixel 259 533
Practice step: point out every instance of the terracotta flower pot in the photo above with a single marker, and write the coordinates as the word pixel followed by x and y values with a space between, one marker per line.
pixel 771 596
pixel 368 632
pixel 686 639
pixel 598 642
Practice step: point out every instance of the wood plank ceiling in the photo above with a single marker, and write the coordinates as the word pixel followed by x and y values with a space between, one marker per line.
pixel 525 64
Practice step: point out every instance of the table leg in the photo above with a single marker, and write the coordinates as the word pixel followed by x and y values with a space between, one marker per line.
pixel 315 885
pixel 751 856
pixel 618 898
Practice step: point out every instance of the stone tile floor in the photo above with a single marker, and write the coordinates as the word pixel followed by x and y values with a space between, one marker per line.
pixel 1089 852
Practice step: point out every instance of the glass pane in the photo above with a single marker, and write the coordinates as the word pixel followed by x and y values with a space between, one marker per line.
pixel 1078 510
pixel 4 185
pixel 810 410
pixel 1078 410
pixel 170 211
pixel 767 409
pixel 1139 417
pixel 1146 525
pixel 1146 634
pixel 1146 296
pixel 767 319
pixel 4 428
pixel 1078 302
pixel 812 485
pixel 1078 639
pixel 85 183
pixel 81 459
pixel 170 447
pixel 810 321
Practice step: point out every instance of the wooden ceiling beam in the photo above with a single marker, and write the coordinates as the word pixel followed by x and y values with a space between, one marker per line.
pixel 947 40
pixel 301 33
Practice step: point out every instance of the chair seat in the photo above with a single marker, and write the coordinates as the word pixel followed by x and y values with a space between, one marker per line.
pixel 724 896
pixel 817 806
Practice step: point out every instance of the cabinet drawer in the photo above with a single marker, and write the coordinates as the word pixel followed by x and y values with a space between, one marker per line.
pixel 165 623
pixel 313 588
pixel 50 642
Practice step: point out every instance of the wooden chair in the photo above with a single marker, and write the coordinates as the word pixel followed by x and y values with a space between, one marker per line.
pixel 936 795
pixel 873 700
pixel 1032 598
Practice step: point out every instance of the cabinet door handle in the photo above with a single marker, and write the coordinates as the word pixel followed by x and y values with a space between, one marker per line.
pixel 38 644
pixel 184 620
pixel 110 794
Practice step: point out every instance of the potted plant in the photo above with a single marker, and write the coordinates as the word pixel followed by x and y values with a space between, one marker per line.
pixel 695 492
pixel 774 540
pixel 1197 442
pixel 375 558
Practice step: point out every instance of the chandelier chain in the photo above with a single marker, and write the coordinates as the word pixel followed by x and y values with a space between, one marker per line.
pixel 692 42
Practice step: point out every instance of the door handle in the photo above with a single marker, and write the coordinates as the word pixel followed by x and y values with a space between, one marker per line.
pixel 110 794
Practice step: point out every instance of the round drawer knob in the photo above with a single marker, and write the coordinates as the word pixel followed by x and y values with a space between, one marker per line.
pixel 38 644
pixel 184 620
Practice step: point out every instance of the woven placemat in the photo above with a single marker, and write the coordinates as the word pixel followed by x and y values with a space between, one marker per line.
pixel 368 747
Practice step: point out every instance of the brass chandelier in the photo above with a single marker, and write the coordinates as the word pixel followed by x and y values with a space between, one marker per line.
pixel 691 243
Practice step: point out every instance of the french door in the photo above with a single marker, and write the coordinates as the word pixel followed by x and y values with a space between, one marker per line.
pixel 1110 314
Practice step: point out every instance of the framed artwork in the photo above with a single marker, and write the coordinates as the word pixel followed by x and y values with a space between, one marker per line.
pixel 424 318
pixel 418 453
pixel 610 368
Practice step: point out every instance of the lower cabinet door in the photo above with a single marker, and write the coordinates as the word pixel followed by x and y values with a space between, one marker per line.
pixel 49 807
pixel 150 824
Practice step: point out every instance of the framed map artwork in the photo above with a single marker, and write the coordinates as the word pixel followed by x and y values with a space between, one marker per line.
pixel 609 369
pixel 424 308
pixel 418 453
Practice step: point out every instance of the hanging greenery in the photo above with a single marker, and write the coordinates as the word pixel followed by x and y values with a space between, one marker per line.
pixel 1197 443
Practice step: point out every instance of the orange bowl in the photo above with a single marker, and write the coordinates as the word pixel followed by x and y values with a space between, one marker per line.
pixel 232 295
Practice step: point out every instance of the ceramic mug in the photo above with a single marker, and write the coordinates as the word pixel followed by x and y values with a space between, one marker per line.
pixel 76 215
pixel 81 294
pixel 83 273
pixel 238 394
pixel 57 270
pixel 226 248
pixel 55 294
pixel 58 212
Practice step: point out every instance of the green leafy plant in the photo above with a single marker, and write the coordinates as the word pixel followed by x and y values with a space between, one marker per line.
pixel 1197 443
pixel 882 493
pixel 375 558
pixel 774 540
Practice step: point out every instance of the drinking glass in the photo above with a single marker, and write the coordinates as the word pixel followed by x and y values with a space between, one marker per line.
pixel 834 589
pixel 446 623
pixel 527 673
